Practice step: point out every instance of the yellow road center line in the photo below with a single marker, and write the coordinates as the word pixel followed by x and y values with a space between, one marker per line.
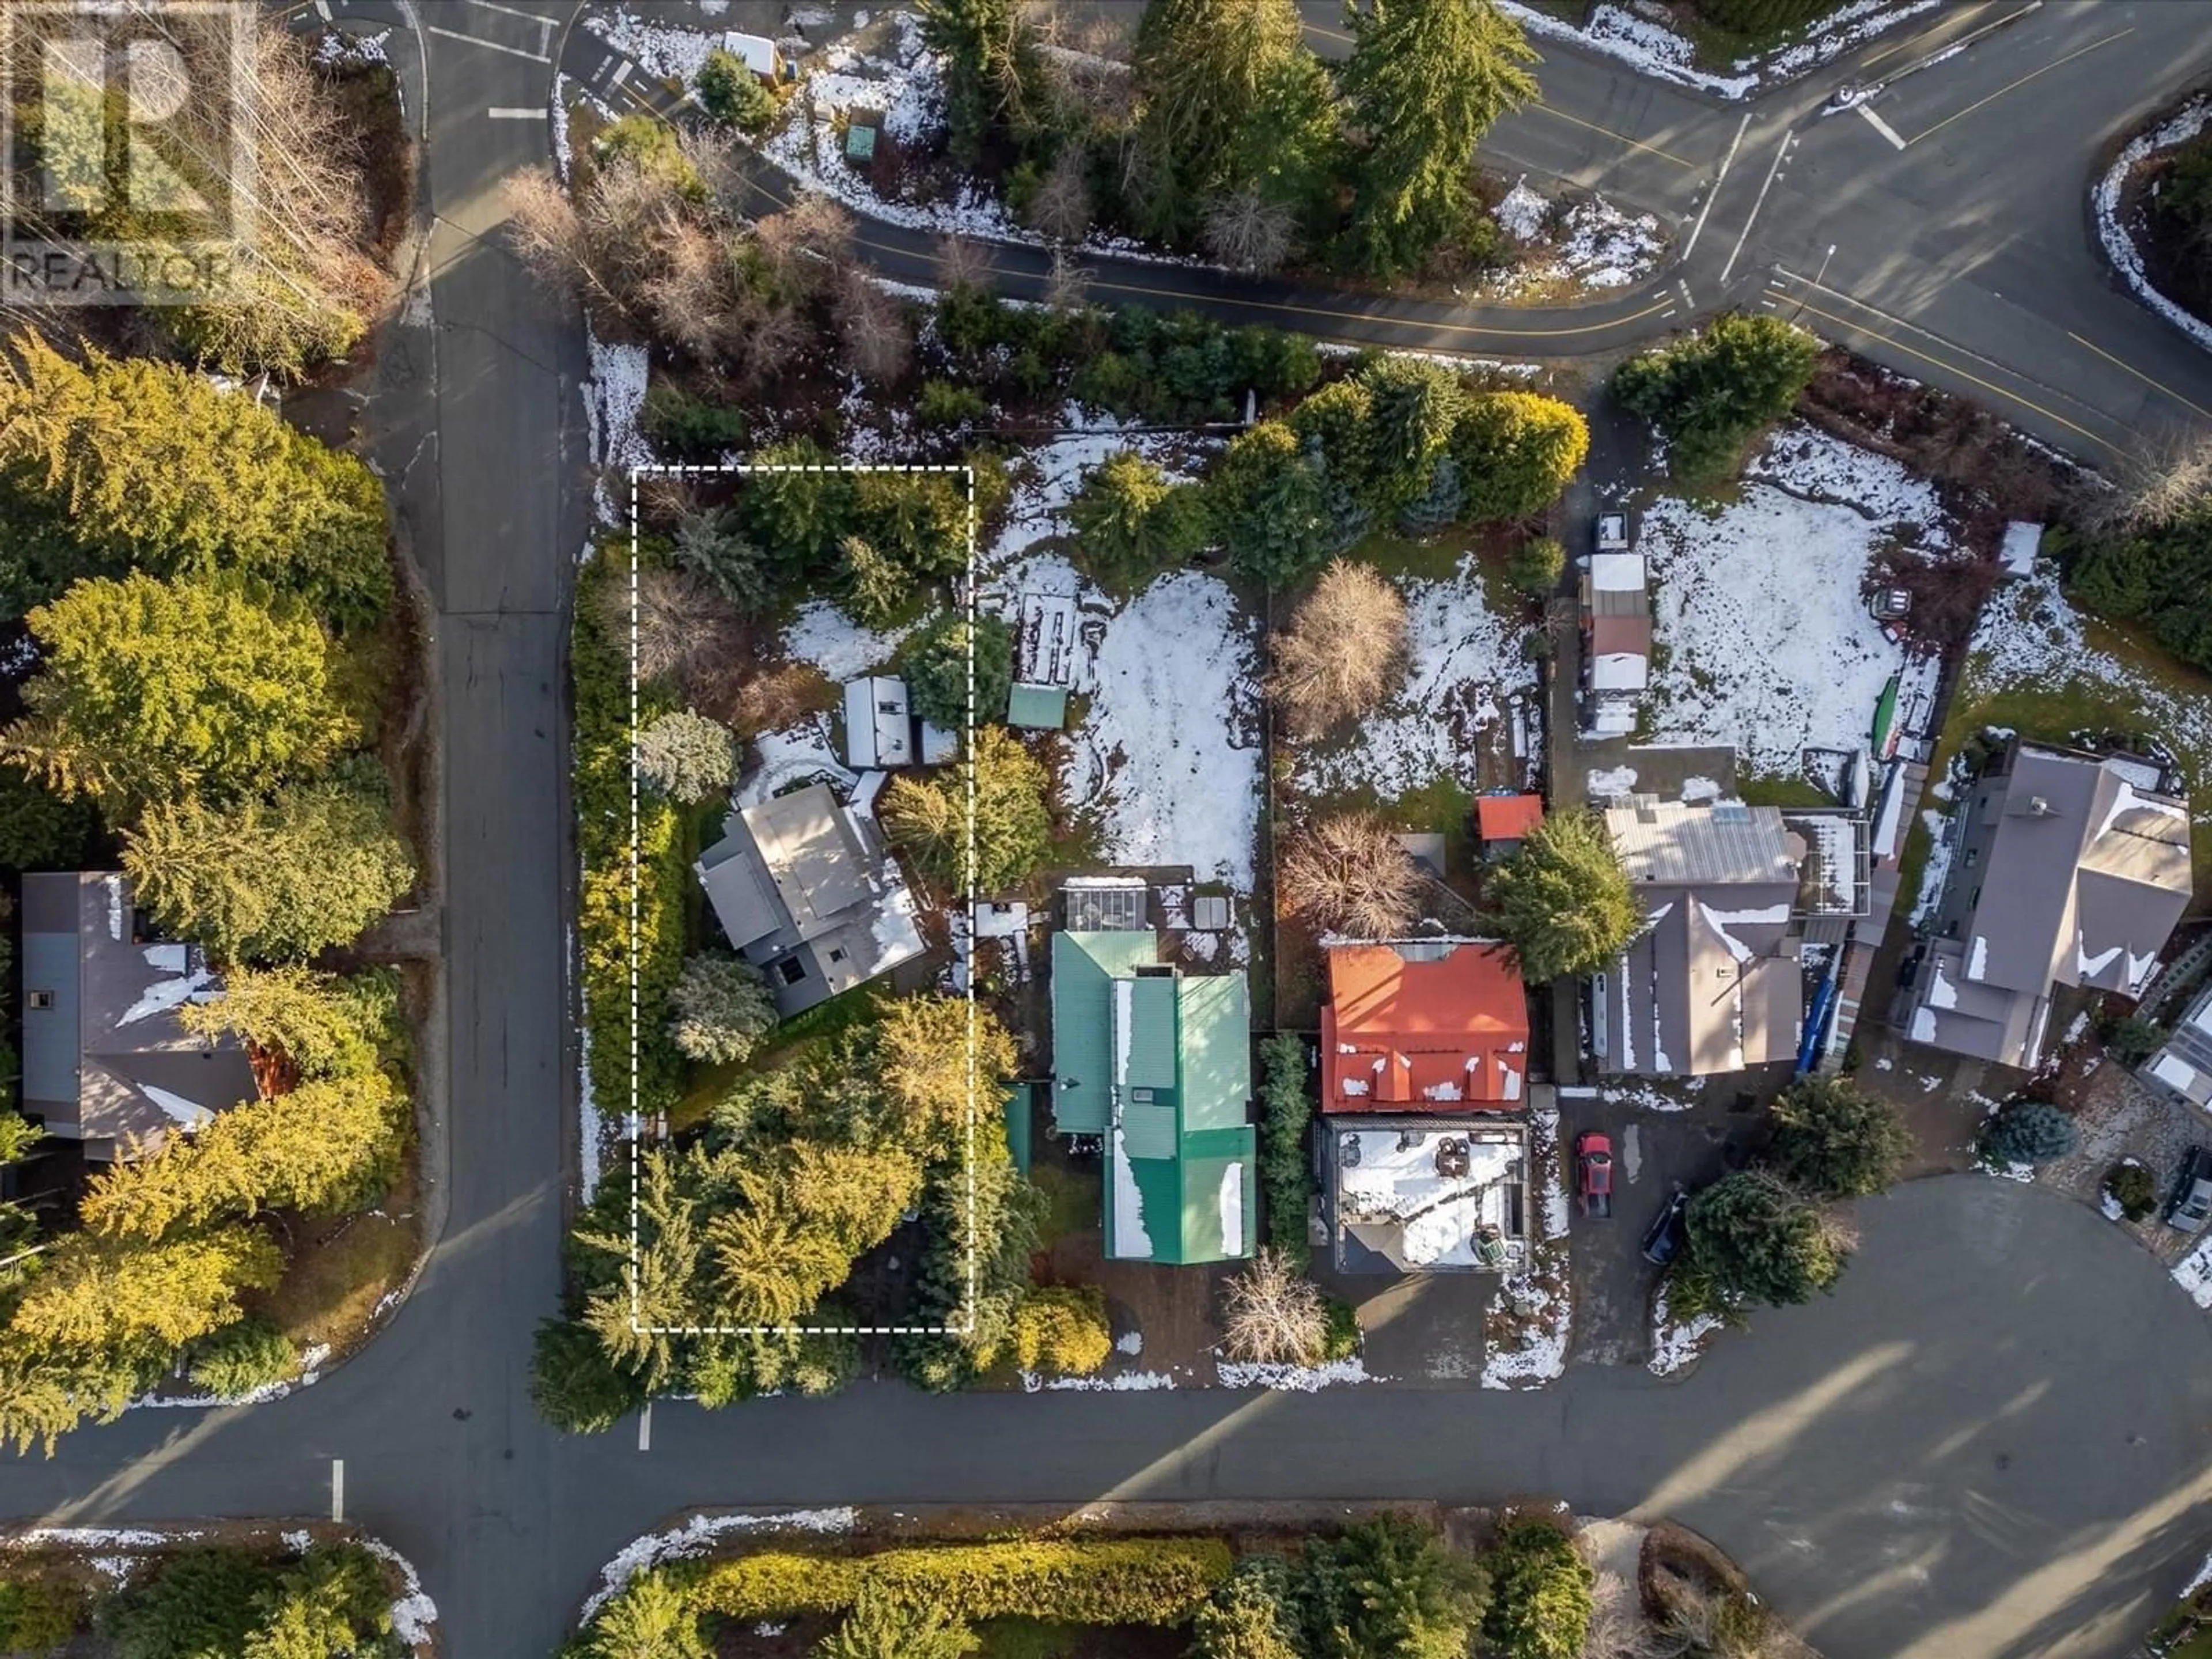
pixel 1633 143
pixel 2059 63
pixel 2131 369
pixel 1953 369
pixel 1652 310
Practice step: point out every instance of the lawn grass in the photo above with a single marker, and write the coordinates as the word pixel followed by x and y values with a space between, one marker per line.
pixel 1781 789
pixel 1073 1199
pixel 343 1267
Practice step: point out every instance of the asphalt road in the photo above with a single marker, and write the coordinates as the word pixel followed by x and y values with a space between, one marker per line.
pixel 1991 1442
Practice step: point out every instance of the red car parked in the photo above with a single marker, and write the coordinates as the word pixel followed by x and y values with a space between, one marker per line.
pixel 1594 1173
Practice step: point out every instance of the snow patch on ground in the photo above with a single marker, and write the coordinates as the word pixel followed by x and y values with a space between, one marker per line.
pixel 1126 1382
pixel 1464 662
pixel 841 648
pixel 1651 48
pixel 1677 1343
pixel 613 395
pixel 1175 717
pixel 414 1615
pixel 1587 243
pixel 698 1535
pixel 2118 239
pixel 1542 1355
pixel 2193 1273
pixel 1295 1379
pixel 1770 648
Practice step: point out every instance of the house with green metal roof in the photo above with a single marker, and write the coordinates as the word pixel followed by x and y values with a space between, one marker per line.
pixel 1157 1064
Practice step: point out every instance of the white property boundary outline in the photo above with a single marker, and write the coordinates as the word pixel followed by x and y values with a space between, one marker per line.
pixel 966 1324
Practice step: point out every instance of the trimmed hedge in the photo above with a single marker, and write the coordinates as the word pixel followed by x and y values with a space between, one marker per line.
pixel 600 668
pixel 1118 1581
pixel 1285 1172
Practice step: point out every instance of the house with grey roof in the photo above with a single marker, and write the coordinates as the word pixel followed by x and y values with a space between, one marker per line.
pixel 106 1061
pixel 1715 983
pixel 883 731
pixel 807 894
pixel 2065 869
pixel 2182 1068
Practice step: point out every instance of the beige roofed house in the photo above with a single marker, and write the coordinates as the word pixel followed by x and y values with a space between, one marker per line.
pixel 1714 983
pixel 2069 869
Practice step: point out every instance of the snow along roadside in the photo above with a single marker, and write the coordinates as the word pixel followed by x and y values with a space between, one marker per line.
pixel 2119 246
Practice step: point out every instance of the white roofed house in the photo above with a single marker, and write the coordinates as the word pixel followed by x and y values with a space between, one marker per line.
pixel 106 1061
pixel 1616 639
pixel 2070 870
pixel 2182 1068
pixel 882 731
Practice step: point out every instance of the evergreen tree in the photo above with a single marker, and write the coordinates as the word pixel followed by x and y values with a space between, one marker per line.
pixel 111 1295
pixel 1539 1594
pixel 1268 507
pixel 1536 565
pixel 1832 1141
pixel 1253 1616
pixel 1709 395
pixel 241 1358
pixel 575 1382
pixel 1205 66
pixel 276 880
pixel 1390 1589
pixel 722 1008
pixel 688 758
pixel 1516 451
pixel 879 1627
pixel 716 546
pixel 323 1026
pixel 150 690
pixel 994 82
pixel 40 829
pixel 2028 1131
pixel 1413 406
pixel 333 1603
pixel 651 1617
pixel 1336 427
pixel 731 93
pixel 796 517
pixel 121 463
pixel 937 669
pixel 1131 520
pixel 875 588
pixel 44 1393
pixel 1563 902
pixel 644 1284
pixel 1426 81
pixel 1757 1241
pixel 981 1219
pixel 1291 152
pixel 935 1057
pixel 323 1148
pixel 929 817
pixel 202 1604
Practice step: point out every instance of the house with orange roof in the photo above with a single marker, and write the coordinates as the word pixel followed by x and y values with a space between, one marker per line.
pixel 1423 1025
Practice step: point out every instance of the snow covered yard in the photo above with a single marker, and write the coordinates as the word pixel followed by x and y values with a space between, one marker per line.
pixel 1767 643
pixel 1463 670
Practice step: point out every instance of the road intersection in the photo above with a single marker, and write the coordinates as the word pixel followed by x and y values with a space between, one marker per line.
pixel 1989 1442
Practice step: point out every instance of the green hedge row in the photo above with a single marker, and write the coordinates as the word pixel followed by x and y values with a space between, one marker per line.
pixel 1119 1581
pixel 600 668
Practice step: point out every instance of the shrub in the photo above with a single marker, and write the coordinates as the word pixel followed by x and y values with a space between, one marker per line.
pixel 38 1614
pixel 1833 1141
pixel 1516 451
pixel 651 1617
pixel 1390 1589
pixel 723 1006
pixel 1708 395
pixel 937 669
pixel 241 1358
pixel 880 1628
pixel 942 403
pixel 1539 1594
pixel 203 1601
pixel 1253 1616
pixel 1344 1337
pixel 2133 1039
pixel 929 817
pixel 1344 650
pixel 575 1385
pixel 1131 520
pixel 1536 566
pixel 731 93
pixel 687 758
pixel 1272 1316
pixel 1348 872
pixel 649 145
pixel 2027 1131
pixel 1117 1581
pixel 1757 1241
pixel 1286 1175
pixel 688 429
pixel 1063 1330
pixel 2130 1186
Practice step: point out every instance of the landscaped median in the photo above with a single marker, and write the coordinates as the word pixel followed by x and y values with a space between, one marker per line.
pixel 1214 1581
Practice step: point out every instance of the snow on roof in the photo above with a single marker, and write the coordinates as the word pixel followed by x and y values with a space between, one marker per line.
pixel 189 1114
pixel 1603 782
pixel 1617 572
pixel 2172 1068
pixel 2202 1019
pixel 2125 800
pixel 1231 1199
pixel 1620 671
pixel 1923 1024
pixel 758 52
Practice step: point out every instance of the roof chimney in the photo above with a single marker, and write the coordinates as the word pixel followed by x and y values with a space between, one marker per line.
pixel 2038 807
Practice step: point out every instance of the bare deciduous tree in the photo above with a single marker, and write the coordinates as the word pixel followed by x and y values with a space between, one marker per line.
pixel 693 297
pixel 962 262
pixel 683 623
pixel 1347 873
pixel 1618 1628
pixel 879 340
pixel 1343 652
pixel 1061 207
pixel 2163 478
pixel 1244 230
pixel 1270 1315
pixel 1067 284
pixel 807 245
